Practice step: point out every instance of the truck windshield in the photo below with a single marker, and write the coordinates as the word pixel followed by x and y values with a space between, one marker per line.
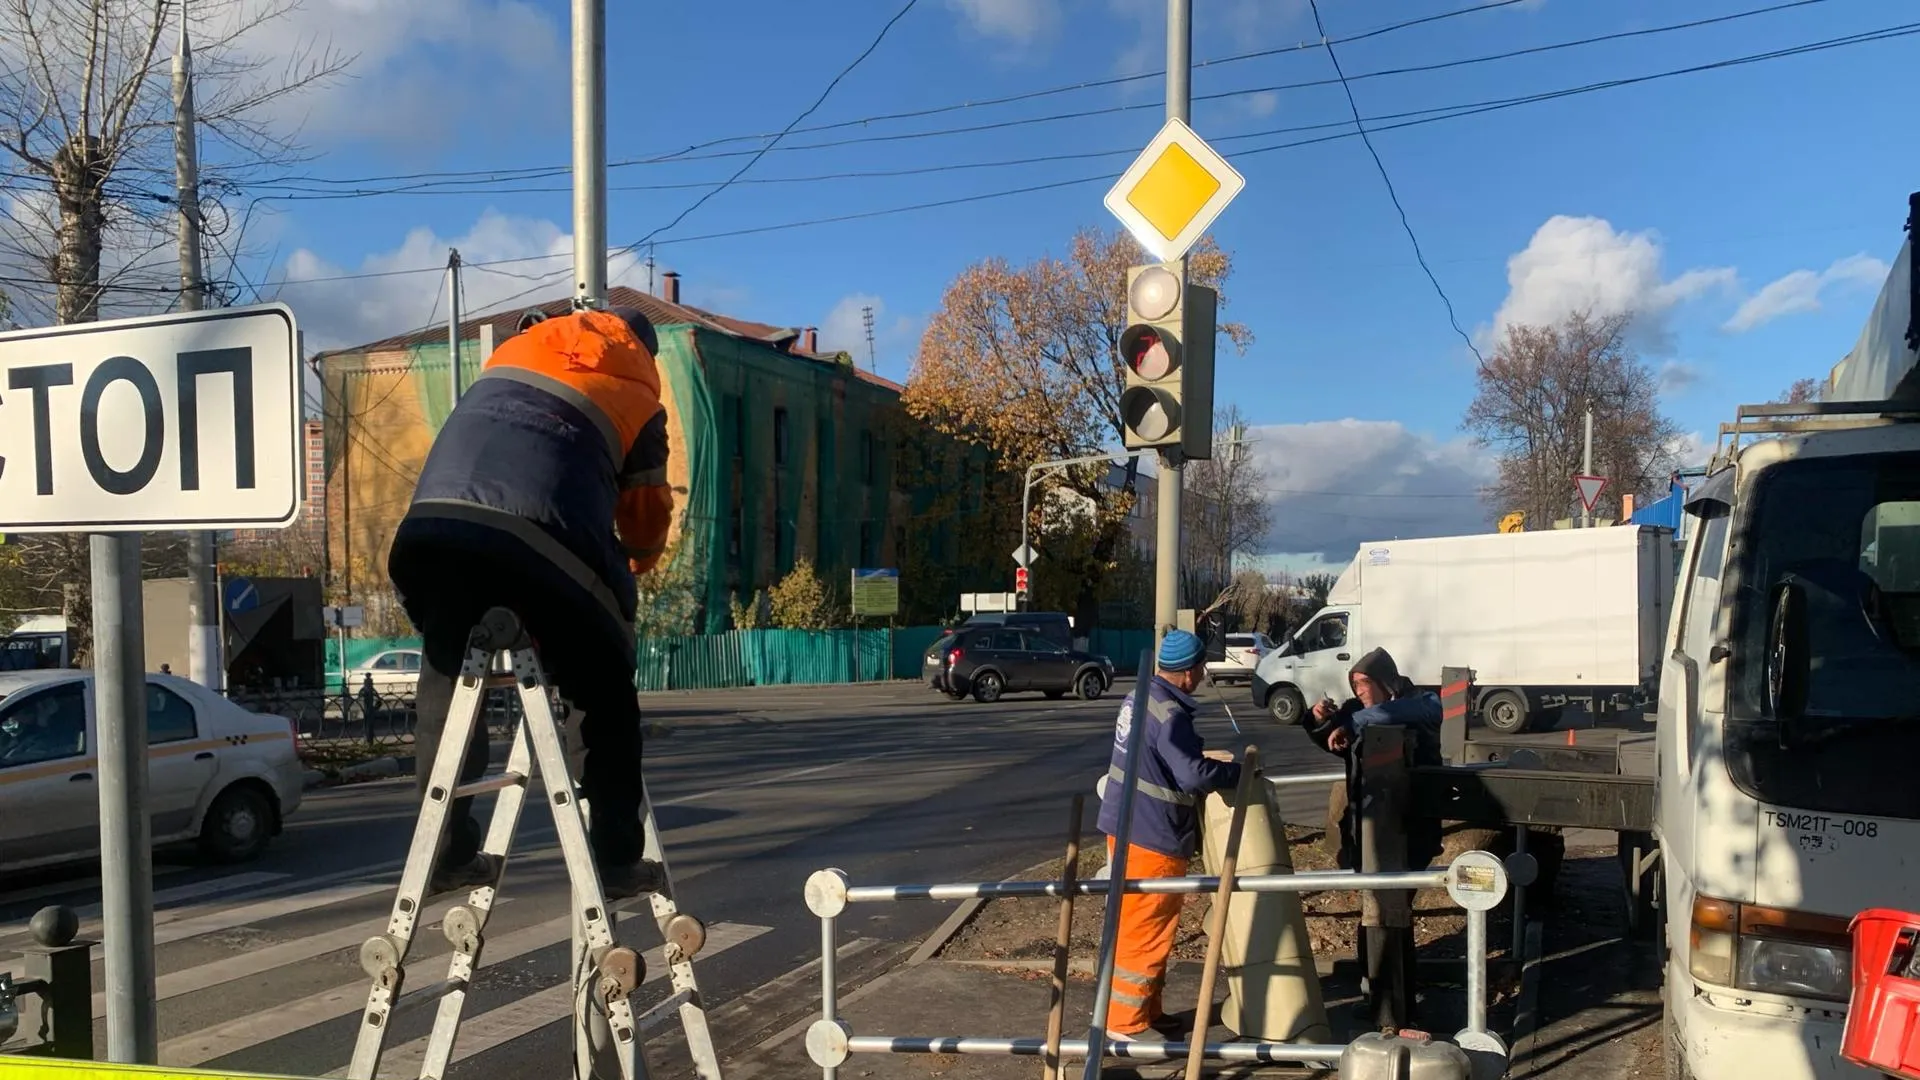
pixel 1847 531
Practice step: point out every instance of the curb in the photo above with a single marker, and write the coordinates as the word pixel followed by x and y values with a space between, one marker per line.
pixel 944 934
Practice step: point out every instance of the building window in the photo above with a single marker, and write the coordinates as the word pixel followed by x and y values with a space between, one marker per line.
pixel 867 557
pixel 779 436
pixel 866 457
pixel 738 419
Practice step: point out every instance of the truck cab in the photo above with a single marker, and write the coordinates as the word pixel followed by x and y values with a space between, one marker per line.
pixel 1789 717
pixel 1310 665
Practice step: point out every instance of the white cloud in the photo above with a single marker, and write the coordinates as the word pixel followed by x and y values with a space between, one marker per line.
pixel 361 309
pixel 894 335
pixel 419 67
pixel 1335 485
pixel 1019 21
pixel 1691 449
pixel 1583 263
pixel 1263 103
pixel 1800 291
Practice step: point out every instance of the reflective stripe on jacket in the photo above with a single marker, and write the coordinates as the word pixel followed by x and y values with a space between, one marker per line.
pixel 1173 773
pixel 562 443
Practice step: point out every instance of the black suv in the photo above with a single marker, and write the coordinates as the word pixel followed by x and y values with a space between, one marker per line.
pixel 987 661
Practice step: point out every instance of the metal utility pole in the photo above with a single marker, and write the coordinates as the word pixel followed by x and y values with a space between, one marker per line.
pixel 1586 468
pixel 126 835
pixel 589 153
pixel 1166 554
pixel 595 1053
pixel 205 657
pixel 453 321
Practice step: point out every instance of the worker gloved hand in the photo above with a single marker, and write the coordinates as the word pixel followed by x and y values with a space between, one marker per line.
pixel 1217 755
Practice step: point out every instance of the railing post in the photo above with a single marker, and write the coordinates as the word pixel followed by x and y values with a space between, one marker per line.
pixel 1386 916
pixel 62 1012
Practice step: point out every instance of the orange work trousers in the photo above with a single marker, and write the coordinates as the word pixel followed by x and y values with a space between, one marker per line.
pixel 1144 944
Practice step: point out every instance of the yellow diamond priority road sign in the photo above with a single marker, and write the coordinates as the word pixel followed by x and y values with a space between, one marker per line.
pixel 1173 191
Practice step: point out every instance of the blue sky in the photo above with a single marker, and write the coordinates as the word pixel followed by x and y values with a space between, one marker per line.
pixel 1746 212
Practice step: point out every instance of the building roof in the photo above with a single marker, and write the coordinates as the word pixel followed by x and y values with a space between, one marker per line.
pixel 660 311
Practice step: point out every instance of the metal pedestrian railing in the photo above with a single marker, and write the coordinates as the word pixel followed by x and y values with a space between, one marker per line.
pixel 1475 880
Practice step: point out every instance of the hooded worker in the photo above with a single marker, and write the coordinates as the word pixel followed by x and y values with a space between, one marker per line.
pixel 1175 771
pixel 1381 695
pixel 546 493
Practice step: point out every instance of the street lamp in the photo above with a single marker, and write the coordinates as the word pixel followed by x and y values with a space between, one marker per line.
pixel 1043 468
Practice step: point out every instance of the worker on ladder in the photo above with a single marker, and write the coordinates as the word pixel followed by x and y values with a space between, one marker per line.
pixel 546 493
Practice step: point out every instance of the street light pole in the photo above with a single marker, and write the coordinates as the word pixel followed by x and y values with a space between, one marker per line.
pixel 1166 555
pixel 1043 468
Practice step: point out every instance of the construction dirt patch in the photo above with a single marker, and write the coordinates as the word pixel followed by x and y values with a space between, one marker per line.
pixel 1025 929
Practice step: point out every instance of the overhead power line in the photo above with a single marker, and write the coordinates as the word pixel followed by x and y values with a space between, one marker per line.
pixel 1365 139
pixel 1415 118
pixel 817 102
pixel 480 178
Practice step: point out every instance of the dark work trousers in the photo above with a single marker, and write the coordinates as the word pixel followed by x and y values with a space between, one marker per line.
pixel 446 587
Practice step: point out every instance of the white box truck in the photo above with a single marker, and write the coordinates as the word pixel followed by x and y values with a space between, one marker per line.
pixel 1544 620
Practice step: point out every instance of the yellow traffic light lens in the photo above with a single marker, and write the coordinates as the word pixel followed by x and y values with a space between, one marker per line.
pixel 1154 293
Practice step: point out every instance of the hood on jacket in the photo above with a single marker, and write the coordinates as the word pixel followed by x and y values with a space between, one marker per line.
pixel 601 342
pixel 1377 664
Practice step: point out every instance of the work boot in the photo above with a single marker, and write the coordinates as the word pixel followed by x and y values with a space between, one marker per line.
pixel 622 880
pixel 471 874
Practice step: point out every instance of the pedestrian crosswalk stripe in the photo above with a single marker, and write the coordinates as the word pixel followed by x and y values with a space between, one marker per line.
pixel 90 914
pixel 496 1027
pixel 260 961
pixel 216 921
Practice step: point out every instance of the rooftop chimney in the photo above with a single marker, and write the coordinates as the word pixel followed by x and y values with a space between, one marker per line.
pixel 670 287
pixel 810 340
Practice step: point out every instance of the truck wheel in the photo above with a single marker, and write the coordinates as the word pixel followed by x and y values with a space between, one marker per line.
pixel 1287 706
pixel 1504 711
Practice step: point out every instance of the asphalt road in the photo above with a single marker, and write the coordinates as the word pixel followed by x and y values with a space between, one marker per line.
pixel 755 790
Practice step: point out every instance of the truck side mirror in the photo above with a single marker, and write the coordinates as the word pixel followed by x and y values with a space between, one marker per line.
pixel 1787 662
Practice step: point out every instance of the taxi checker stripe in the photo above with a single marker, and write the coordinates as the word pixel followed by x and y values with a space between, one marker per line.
pixel 24 773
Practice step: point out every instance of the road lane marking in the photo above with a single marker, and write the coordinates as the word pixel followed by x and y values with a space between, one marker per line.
pixel 61 888
pixel 496 1027
pixel 775 779
pixel 228 918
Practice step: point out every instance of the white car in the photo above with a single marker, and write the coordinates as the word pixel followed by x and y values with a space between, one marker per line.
pixel 395 672
pixel 1243 655
pixel 216 773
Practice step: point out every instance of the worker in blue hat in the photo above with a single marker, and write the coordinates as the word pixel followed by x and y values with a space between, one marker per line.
pixel 1176 771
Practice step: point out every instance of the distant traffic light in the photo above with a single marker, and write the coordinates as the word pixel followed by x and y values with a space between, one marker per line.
pixel 1020 580
pixel 1167 346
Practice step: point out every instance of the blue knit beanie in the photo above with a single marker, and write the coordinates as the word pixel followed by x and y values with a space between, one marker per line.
pixel 1180 650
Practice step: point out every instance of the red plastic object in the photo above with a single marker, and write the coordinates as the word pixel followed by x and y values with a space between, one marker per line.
pixel 1883 1019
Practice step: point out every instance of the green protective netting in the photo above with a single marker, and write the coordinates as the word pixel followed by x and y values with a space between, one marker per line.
pixel 1123 647
pixel 780 657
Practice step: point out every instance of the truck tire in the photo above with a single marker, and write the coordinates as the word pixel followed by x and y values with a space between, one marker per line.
pixel 1505 711
pixel 1287 706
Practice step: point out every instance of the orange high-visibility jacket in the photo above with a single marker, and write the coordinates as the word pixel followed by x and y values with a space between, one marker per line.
pixel 562 443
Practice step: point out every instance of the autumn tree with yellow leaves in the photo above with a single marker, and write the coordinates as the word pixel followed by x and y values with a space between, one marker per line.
pixel 1025 361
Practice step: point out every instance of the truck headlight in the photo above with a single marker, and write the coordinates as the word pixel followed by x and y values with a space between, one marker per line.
pixel 1796 969
pixel 1770 950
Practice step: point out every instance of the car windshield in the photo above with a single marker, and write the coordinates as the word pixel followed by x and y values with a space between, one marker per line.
pixel 941 643
pixel 1846 532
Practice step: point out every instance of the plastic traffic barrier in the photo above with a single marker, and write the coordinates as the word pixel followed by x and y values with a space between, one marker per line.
pixel 23 1067
pixel 1883 1019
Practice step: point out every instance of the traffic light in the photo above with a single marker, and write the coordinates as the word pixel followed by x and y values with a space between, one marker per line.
pixel 1020 580
pixel 1167 399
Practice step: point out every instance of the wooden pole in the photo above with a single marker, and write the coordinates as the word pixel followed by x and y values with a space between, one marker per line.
pixel 1217 918
pixel 1057 1011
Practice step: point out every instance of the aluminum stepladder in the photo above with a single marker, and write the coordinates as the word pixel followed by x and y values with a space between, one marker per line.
pixel 605 972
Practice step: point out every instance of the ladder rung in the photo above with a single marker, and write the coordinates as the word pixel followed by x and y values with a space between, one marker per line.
pixel 491 783
pixel 497 679
pixel 429 993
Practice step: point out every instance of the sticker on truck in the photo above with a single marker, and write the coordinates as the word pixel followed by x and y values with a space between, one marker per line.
pixel 1821 832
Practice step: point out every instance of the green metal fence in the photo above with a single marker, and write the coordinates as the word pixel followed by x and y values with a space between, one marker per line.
pixel 775 657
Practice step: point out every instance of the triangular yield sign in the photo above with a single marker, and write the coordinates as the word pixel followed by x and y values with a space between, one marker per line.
pixel 1589 488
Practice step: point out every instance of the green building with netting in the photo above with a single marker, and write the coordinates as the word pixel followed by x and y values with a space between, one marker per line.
pixel 780 453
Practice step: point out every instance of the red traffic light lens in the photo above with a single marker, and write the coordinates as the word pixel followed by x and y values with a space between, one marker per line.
pixel 1150 354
